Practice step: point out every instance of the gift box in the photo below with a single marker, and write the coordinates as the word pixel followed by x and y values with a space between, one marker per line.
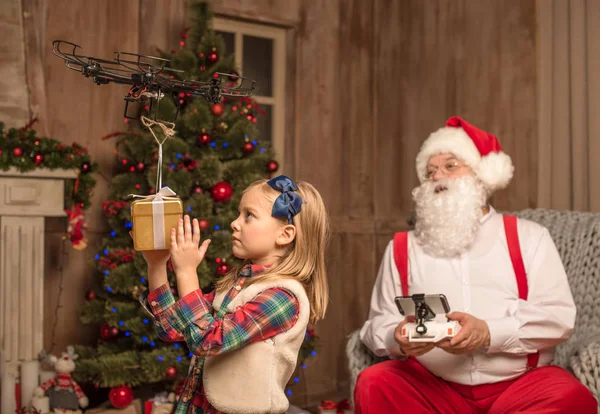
pixel 331 407
pixel 106 408
pixel 162 403
pixel 153 218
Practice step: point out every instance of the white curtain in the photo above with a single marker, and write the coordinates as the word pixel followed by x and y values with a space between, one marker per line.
pixel 569 104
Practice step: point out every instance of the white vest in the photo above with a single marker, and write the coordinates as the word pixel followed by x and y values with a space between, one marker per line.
pixel 252 379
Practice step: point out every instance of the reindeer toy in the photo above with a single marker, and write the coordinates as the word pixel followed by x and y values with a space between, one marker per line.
pixel 64 393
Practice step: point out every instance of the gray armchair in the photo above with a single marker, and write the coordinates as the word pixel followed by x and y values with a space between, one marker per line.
pixel 577 237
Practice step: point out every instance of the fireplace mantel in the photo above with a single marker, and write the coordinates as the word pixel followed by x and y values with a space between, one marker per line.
pixel 26 199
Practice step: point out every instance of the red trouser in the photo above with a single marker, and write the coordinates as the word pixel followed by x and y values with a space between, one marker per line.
pixel 407 387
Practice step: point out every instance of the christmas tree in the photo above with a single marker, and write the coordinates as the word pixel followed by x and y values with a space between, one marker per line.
pixel 214 155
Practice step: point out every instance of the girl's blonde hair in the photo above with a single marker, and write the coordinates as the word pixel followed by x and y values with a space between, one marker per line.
pixel 304 258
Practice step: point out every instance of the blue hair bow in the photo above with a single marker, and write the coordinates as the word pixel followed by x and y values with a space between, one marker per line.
pixel 289 203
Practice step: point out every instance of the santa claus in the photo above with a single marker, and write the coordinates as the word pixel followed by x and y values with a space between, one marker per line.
pixel 503 279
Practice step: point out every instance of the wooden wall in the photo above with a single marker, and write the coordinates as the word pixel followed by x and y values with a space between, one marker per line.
pixel 368 81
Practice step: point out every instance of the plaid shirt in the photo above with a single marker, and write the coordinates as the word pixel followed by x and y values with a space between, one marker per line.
pixel 209 332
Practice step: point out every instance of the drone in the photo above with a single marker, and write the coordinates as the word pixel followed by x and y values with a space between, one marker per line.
pixel 150 78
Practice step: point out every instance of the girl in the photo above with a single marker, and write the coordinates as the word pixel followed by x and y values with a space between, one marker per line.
pixel 246 335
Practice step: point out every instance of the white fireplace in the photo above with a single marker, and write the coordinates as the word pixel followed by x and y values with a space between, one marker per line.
pixel 26 199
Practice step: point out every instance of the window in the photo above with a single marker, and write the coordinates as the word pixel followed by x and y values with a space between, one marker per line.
pixel 260 55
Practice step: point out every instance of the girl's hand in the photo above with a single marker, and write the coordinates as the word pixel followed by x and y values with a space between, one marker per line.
pixel 155 257
pixel 186 256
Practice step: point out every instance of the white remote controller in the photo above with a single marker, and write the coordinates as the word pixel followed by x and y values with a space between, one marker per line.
pixel 436 331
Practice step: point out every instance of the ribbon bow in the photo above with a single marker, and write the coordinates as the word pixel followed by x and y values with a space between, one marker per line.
pixel 289 203
pixel 339 407
pixel 164 193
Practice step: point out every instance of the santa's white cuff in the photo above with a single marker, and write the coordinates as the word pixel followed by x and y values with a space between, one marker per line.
pixel 392 347
pixel 503 333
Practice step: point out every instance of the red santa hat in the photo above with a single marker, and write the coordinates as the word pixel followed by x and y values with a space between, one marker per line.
pixel 478 149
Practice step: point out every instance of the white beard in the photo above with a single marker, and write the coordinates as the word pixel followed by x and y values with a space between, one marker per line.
pixel 447 221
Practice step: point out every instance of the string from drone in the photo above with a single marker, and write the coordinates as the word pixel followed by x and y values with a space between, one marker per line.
pixel 168 129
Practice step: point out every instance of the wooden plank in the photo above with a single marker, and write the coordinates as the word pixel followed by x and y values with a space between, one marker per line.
pixel 161 23
pixel 78 110
pixel 356 111
pixel 290 100
pixel 317 159
pixel 319 143
pixel 34 28
pixel 279 12
pixel 14 110
pixel 394 106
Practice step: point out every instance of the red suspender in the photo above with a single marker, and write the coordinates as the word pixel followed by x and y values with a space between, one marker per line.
pixel 401 259
pixel 514 248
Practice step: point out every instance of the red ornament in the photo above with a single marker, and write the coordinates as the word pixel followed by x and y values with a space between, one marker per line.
pixel 171 372
pixel 198 190
pixel 105 332
pixel 120 397
pixel 114 332
pixel 85 167
pixel 39 158
pixel 90 295
pixel 272 166
pixel 248 147
pixel 17 152
pixel 141 166
pixel 0 152
pixel 213 57
pixel 203 224
pixel 203 138
pixel 222 192
pixel 222 269
pixel 217 109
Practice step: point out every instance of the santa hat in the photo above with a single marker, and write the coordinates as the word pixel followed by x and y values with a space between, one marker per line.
pixel 476 148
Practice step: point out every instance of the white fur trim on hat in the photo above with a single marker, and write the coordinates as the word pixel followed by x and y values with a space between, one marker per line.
pixel 495 170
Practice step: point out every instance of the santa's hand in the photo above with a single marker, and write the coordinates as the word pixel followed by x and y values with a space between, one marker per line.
pixel 38 392
pixel 410 348
pixel 83 402
pixel 474 334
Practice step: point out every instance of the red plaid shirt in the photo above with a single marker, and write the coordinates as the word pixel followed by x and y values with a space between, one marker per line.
pixel 209 332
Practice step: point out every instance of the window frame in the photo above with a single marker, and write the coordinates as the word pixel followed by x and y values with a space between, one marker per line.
pixel 278 100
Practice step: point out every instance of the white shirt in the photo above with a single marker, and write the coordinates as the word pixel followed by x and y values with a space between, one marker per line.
pixel 482 282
